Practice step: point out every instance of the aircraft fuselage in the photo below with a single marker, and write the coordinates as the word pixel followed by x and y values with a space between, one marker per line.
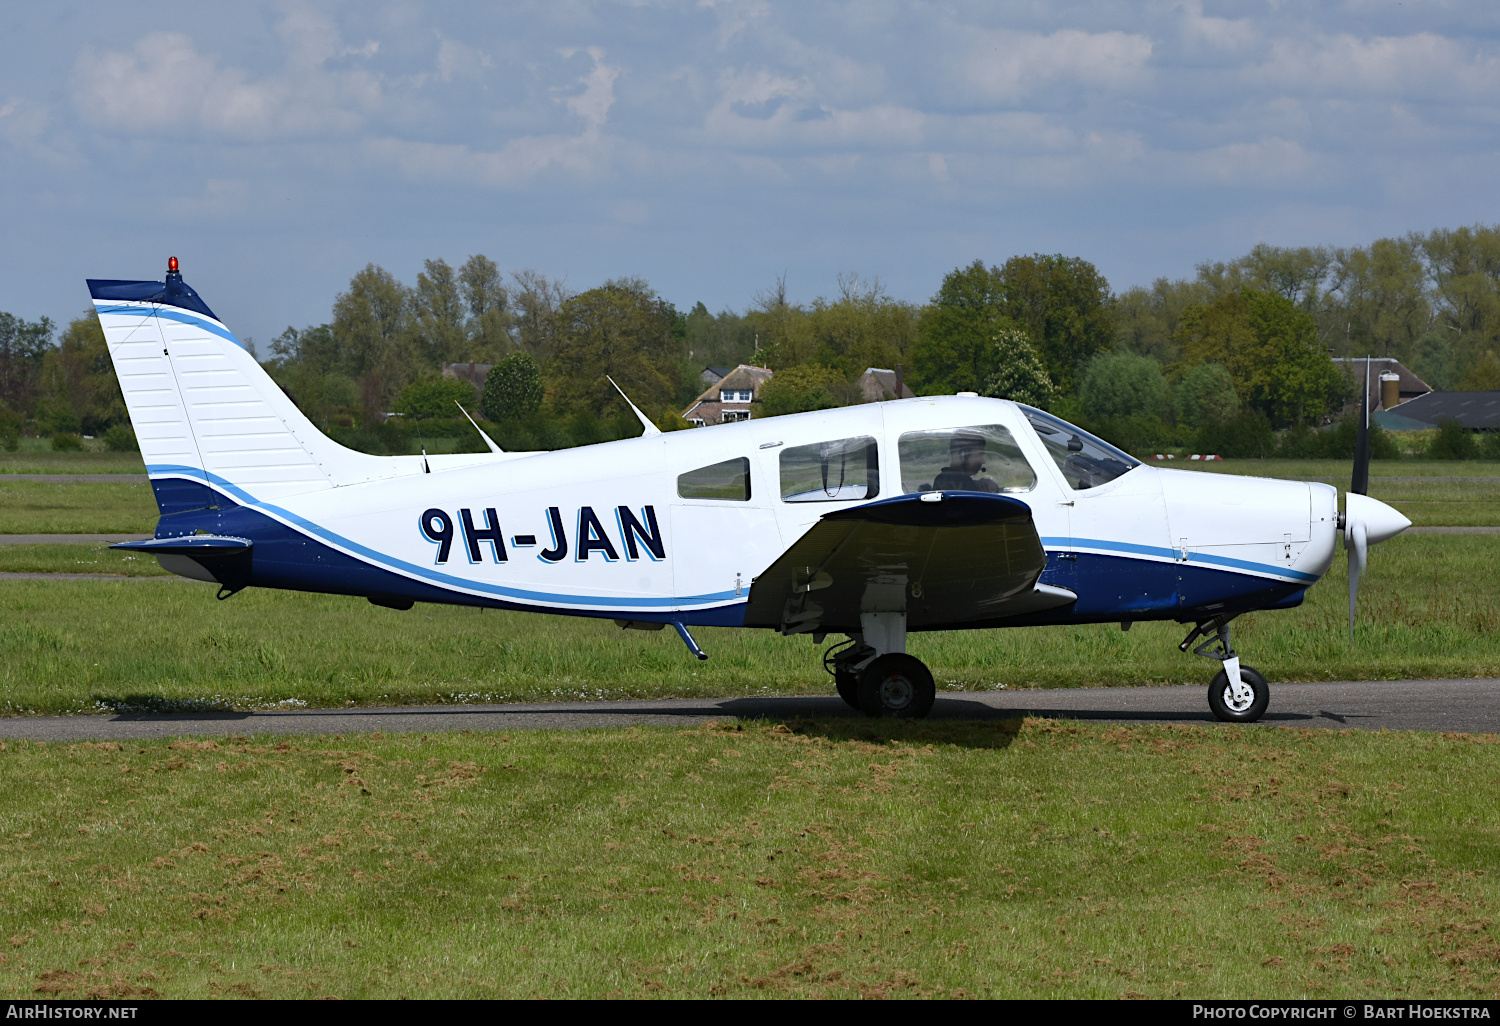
pixel 611 530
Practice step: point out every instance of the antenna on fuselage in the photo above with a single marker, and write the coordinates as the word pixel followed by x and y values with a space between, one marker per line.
pixel 651 429
pixel 487 439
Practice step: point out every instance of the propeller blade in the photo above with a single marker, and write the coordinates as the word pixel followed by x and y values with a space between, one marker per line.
pixel 1367 522
pixel 1357 542
pixel 1360 483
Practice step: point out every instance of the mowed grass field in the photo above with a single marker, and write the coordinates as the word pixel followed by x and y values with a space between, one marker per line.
pixel 50 507
pixel 1430 607
pixel 39 459
pixel 1042 859
pixel 847 858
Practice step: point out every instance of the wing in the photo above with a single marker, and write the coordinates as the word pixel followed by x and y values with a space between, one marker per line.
pixel 944 558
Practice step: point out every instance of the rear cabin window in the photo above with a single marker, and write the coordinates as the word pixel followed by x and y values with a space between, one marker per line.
pixel 967 459
pixel 848 468
pixel 729 481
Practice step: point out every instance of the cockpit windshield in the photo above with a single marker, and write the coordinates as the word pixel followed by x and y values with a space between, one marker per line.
pixel 1085 461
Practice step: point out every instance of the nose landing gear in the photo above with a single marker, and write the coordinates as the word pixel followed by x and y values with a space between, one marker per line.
pixel 1237 694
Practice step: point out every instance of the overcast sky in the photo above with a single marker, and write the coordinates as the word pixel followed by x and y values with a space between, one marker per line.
pixel 276 148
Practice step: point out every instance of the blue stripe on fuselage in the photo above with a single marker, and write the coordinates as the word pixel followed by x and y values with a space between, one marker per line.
pixel 1172 554
pixel 389 562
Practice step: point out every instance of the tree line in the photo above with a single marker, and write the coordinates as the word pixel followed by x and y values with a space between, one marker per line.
pixel 1245 342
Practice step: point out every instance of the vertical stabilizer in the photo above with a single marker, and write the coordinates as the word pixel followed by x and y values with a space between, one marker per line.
pixel 205 412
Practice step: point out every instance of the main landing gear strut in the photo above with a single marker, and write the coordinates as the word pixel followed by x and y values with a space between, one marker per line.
pixel 1237 694
pixel 873 673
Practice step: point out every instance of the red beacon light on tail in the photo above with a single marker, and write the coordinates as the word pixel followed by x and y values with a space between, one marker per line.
pixel 171 265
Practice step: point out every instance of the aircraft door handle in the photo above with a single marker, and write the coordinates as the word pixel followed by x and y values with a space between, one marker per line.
pixel 1068 503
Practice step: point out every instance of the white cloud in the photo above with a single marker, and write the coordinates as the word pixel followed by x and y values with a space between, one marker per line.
pixel 1219 33
pixel 763 108
pixel 1270 162
pixel 521 159
pixel 456 60
pixel 28 127
pixel 517 162
pixel 598 91
pixel 1007 67
pixel 164 84
pixel 957 119
pixel 1422 66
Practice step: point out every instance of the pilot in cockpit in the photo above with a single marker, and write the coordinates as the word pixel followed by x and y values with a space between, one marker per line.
pixel 965 469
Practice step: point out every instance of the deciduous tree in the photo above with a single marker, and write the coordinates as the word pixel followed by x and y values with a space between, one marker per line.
pixel 78 387
pixel 954 349
pixel 372 330
pixel 1124 385
pixel 1062 303
pixel 800 389
pixel 432 396
pixel 1270 348
pixel 622 329
pixel 1019 373
pixel 513 389
pixel 488 304
pixel 438 316
pixel 1206 395
pixel 22 345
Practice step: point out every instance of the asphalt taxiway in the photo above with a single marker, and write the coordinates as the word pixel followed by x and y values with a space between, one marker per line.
pixel 1465 705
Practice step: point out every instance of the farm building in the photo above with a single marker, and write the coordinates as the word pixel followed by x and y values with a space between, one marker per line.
pixel 878 384
pixel 473 373
pixel 1477 411
pixel 732 395
pixel 729 398
pixel 1391 382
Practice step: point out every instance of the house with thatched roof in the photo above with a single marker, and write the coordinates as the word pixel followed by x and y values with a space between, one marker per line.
pixel 730 398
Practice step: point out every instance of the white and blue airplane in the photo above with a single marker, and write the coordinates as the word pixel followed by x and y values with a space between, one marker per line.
pixel 872 522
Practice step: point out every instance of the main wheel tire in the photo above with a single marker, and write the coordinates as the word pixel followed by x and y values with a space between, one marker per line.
pixel 896 684
pixel 847 685
pixel 1241 708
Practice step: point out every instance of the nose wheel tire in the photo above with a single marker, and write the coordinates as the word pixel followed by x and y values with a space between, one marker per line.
pixel 1242 703
pixel 847 685
pixel 898 685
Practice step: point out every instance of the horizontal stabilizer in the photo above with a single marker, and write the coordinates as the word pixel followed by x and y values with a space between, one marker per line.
pixel 201 557
pixel 189 545
pixel 943 558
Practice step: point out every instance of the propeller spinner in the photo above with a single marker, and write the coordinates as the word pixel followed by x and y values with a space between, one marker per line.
pixel 1366 521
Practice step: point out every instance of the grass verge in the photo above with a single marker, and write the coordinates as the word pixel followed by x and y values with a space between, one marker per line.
pixel 34 459
pixel 77 559
pixel 80 646
pixel 1043 859
pixel 44 507
pixel 1338 471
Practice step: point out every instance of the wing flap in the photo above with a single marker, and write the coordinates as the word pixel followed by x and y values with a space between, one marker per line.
pixel 943 558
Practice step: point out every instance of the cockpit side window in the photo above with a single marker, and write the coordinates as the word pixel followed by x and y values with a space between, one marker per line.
pixel 1085 461
pixel 968 459
pixel 836 471
pixel 728 481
